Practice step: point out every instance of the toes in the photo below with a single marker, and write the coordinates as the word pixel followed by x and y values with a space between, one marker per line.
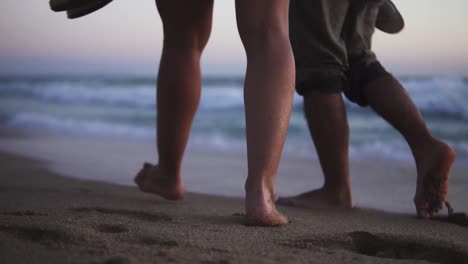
pixel 442 203
pixel 437 202
pixel 433 197
pixel 424 214
pixel 269 220
pixel 423 209
pixel 266 222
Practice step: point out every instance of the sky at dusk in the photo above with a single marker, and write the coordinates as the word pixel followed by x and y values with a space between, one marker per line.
pixel 126 38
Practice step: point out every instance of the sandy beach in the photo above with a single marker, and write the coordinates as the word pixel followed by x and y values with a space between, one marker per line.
pixel 47 218
pixel 83 102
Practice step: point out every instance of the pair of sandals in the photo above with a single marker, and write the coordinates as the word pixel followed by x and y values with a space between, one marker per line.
pixel 389 19
pixel 77 8
pixel 453 217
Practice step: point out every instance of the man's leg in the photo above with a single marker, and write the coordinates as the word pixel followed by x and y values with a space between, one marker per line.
pixel 371 84
pixel 321 59
pixel 268 96
pixel 187 26
pixel 433 157
pixel 328 125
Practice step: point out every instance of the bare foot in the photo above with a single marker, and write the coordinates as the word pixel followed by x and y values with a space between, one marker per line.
pixel 152 179
pixel 261 210
pixel 318 199
pixel 433 168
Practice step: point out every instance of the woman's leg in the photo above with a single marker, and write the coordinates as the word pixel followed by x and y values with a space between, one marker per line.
pixel 268 94
pixel 187 27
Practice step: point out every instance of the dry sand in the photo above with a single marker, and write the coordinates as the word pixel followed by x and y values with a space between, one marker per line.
pixel 45 218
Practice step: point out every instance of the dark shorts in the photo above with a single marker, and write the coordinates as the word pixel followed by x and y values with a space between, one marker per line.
pixel 331 40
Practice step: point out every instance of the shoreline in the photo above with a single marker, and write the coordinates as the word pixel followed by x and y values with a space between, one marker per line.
pixel 379 184
pixel 57 219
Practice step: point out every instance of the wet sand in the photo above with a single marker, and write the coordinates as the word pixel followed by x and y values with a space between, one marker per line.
pixel 380 184
pixel 46 218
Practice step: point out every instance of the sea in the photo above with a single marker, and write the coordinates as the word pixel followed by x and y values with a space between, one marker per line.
pixel 118 106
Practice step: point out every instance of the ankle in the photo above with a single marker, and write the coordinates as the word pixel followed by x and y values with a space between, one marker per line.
pixel 430 145
pixel 337 188
pixel 422 143
pixel 341 195
pixel 260 191
pixel 256 191
pixel 168 173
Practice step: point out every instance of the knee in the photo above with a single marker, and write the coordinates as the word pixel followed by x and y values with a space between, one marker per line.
pixel 264 34
pixel 192 40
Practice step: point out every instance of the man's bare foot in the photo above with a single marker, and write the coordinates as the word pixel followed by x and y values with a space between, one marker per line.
pixel 318 199
pixel 152 179
pixel 261 210
pixel 433 168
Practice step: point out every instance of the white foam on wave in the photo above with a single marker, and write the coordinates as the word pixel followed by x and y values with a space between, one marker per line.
pixel 445 95
pixel 93 127
pixel 214 97
pixel 397 150
pixel 302 146
pixel 86 93
pixel 219 129
pixel 225 97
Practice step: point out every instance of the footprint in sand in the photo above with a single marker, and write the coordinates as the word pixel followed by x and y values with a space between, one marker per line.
pixel 221 261
pixel 115 260
pixel 24 213
pixel 153 241
pixel 48 237
pixel 111 229
pixel 151 217
pixel 383 247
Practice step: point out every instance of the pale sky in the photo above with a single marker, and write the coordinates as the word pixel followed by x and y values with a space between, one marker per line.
pixel 126 37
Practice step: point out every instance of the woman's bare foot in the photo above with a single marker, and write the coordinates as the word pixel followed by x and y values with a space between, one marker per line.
pixel 319 198
pixel 433 166
pixel 153 179
pixel 261 210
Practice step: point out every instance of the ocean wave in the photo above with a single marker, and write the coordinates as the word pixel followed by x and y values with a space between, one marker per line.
pixel 70 125
pixel 443 97
pixel 81 93
pixel 126 107
pixel 363 144
pixel 394 150
pixel 440 96
pixel 225 97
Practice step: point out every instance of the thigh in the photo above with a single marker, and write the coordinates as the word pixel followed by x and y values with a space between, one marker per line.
pixel 186 22
pixel 363 64
pixel 315 32
pixel 316 29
